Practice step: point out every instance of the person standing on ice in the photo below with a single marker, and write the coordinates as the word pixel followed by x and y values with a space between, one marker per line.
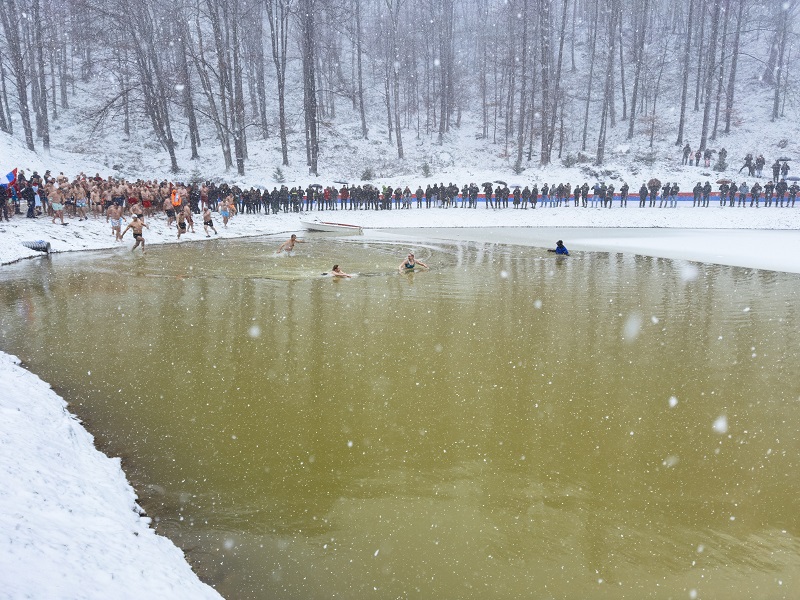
pixel 743 191
pixel 776 171
pixel 780 190
pixel 623 195
pixel 706 194
pixel 755 194
pixel 793 189
pixel 686 152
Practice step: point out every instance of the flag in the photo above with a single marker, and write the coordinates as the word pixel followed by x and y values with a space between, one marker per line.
pixel 11 178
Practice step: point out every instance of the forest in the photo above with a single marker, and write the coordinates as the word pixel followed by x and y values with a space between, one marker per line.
pixel 541 77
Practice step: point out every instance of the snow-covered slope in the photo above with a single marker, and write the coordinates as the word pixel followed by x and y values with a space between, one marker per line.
pixel 69 523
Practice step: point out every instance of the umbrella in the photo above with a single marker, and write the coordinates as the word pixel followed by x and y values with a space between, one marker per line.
pixel 793 178
pixel 315 185
pixel 783 159
pixel 500 182
pixel 485 183
pixel 721 181
pixel 654 183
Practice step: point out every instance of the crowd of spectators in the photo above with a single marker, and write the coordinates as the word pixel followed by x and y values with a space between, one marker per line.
pixel 84 197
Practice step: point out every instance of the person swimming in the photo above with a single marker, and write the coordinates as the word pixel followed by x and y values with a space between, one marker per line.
pixel 337 272
pixel 410 262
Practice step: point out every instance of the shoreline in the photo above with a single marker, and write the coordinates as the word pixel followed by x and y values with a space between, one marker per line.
pixel 61 488
pixel 95 234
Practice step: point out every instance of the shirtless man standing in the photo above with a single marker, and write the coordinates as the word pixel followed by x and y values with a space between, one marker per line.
pixel 97 202
pixel 114 213
pixel 181 224
pixel 169 211
pixel 187 212
pixel 136 226
pixel 207 222
pixel 288 245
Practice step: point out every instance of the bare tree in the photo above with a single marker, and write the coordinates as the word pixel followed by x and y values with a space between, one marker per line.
pixel 306 16
pixel 734 63
pixel 11 15
pixel 712 57
pixel 685 85
pixel 278 12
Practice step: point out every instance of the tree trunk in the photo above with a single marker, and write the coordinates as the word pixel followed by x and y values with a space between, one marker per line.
pixel 188 102
pixel 608 91
pixel 308 37
pixel 699 78
pixel 278 17
pixel 545 22
pixel 359 51
pixel 779 70
pixel 10 16
pixel 734 62
pixel 42 118
pixel 638 55
pixel 551 132
pixel 709 86
pixel 591 76
pixel 4 116
pixel 685 86
pixel 523 86
pixel 721 76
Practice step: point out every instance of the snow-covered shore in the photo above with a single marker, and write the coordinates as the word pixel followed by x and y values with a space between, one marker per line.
pixel 69 524
pixel 68 521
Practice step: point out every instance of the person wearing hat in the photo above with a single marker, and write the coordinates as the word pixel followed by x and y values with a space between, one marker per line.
pixel 560 249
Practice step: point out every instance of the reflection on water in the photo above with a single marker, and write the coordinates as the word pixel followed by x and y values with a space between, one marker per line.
pixel 505 425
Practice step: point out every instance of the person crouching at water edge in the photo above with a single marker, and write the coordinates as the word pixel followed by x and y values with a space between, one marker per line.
pixel 136 226
pixel 559 249
pixel 409 263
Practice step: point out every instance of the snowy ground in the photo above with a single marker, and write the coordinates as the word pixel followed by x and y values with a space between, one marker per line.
pixel 69 525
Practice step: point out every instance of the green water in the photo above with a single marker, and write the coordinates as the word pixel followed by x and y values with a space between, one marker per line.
pixel 506 425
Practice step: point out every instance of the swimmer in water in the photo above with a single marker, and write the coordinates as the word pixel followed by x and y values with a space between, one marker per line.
pixel 288 245
pixel 560 249
pixel 337 272
pixel 407 266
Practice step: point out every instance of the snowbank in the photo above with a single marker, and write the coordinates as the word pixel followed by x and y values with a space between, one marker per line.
pixel 69 523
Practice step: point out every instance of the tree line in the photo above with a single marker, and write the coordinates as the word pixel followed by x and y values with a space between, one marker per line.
pixel 542 77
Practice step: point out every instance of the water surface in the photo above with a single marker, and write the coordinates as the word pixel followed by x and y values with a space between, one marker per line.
pixel 505 425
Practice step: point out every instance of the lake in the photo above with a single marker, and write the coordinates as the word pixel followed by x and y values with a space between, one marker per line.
pixel 505 425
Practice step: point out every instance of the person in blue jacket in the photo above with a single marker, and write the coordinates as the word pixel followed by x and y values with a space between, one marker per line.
pixel 560 248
